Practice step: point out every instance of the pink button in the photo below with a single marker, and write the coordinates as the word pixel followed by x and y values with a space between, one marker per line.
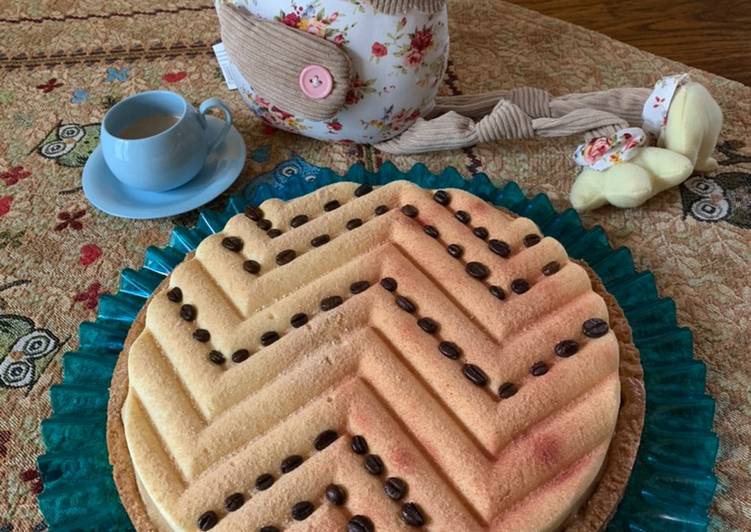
pixel 316 82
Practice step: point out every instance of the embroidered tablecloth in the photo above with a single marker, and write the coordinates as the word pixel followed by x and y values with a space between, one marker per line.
pixel 64 63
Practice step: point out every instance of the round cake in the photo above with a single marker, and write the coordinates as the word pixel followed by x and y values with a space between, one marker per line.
pixel 374 359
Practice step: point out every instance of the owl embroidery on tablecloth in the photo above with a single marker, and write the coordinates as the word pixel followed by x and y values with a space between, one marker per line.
pixel 70 144
pixel 722 197
pixel 25 351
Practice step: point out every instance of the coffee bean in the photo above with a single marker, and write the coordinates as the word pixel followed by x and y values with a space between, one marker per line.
pixel 285 257
pixel 410 210
pixel 551 268
pixel 428 325
pixel 360 523
pixel 463 216
pixel 373 464
pixel 251 266
pixel 359 445
pixel 320 240
pixel 595 328
pixel 254 213
pixel 477 270
pixel 234 502
pixel 324 439
pixel 188 312
pixel 291 462
pixel 499 247
pixel 531 240
pixel 566 348
pixel 450 350
pixel 175 295
pixel 362 190
pixel 264 224
pixel 331 302
pixel 395 488
pixel 359 287
pixel 202 335
pixel 207 521
pixel 455 250
pixel 389 283
pixel 216 357
pixel 442 197
pixel 480 232
pixel 431 231
pixel 299 220
pixel 405 304
pixel 264 482
pixel 475 374
pixel 240 355
pixel 331 205
pixel 335 495
pixel 273 233
pixel 381 209
pixel 538 369
pixel 354 223
pixel 519 286
pixel 497 291
pixel 412 515
pixel 302 510
pixel 298 320
pixel 268 529
pixel 269 338
pixel 507 389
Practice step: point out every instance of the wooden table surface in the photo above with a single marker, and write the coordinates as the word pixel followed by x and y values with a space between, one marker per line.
pixel 714 35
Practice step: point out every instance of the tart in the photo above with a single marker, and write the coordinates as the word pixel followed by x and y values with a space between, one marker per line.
pixel 376 359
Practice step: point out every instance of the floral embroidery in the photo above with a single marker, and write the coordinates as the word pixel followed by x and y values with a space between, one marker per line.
pixel 90 253
pixel 14 175
pixel 51 85
pixel 70 219
pixel 90 296
pixel 359 89
pixel 312 19
pixel 32 475
pixel 5 203
pixel 602 153
pixel 117 74
pixel 79 96
pixel 174 77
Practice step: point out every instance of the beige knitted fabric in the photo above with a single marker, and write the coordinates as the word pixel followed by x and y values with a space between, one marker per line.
pixel 392 7
pixel 270 56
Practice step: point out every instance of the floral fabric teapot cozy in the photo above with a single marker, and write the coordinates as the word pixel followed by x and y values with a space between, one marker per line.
pixel 338 70
pixel 368 71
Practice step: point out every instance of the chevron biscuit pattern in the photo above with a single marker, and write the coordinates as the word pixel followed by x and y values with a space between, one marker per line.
pixel 452 366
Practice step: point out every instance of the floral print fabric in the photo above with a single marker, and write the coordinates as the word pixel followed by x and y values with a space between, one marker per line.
pixel 655 113
pixel 398 63
pixel 602 153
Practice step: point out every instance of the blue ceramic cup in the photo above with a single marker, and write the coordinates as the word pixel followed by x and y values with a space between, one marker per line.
pixel 157 141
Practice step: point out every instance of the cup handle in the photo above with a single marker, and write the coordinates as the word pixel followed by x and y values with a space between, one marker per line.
pixel 219 104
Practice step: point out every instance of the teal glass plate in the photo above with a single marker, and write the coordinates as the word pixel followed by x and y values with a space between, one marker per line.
pixel 672 483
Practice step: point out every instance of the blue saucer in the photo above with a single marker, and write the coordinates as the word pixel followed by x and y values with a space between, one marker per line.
pixel 108 194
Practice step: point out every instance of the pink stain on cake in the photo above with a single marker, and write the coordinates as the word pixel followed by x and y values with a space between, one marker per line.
pixel 547 450
pixel 402 460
